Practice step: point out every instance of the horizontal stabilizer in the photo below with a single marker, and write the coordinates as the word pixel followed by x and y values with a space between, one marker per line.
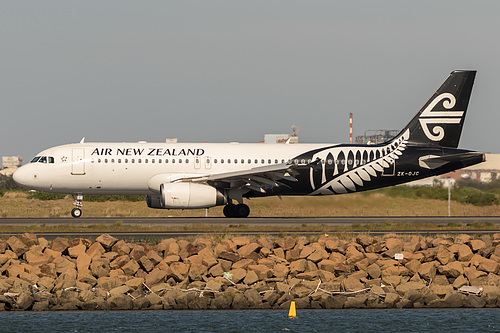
pixel 435 161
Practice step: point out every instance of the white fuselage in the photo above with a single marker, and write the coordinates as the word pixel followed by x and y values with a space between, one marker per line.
pixel 130 168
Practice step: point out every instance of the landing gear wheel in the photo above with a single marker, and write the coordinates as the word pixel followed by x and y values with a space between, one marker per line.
pixel 242 210
pixel 229 210
pixel 76 212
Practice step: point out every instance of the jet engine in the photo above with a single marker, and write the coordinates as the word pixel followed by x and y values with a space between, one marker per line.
pixel 186 196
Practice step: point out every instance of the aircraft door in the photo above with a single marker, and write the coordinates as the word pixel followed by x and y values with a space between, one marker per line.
pixel 208 162
pixel 197 162
pixel 78 161
pixel 391 170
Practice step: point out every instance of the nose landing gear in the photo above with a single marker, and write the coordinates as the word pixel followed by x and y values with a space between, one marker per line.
pixel 77 211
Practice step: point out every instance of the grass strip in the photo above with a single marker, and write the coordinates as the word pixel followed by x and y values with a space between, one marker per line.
pixel 320 228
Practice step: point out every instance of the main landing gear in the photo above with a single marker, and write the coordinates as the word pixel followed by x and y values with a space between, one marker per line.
pixel 77 211
pixel 239 210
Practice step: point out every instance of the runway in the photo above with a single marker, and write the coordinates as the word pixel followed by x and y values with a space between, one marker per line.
pixel 187 226
pixel 251 221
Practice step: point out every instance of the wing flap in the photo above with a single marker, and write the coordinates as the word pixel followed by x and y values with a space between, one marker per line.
pixel 259 179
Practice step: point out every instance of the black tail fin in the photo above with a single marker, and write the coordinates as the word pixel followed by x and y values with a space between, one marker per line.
pixel 440 120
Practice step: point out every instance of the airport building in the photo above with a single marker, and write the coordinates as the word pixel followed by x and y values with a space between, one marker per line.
pixel 485 172
pixel 10 164
pixel 281 138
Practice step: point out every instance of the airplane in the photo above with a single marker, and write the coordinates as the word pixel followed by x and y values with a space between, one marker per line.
pixel 203 175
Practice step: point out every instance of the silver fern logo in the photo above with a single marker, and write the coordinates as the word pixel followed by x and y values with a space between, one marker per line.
pixel 430 120
pixel 360 166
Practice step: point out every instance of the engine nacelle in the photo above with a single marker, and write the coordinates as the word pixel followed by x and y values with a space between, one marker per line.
pixel 186 196
pixel 154 201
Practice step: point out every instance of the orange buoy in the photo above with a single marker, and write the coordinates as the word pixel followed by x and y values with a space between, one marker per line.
pixel 292 313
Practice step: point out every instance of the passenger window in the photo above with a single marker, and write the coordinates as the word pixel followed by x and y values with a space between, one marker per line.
pixel 228 161
pixel 262 161
pixel 180 161
pixel 173 160
pixel 112 160
pixel 215 160
pixel 269 161
pixel 249 161
pixel 139 161
pixel 133 161
pixel 98 160
pixel 126 160
pixel 106 160
pixel 235 161
pixel 159 161
pixel 222 160
pixel 153 160
pixel 256 161
pixel 276 161
pixel 243 161
pixel 146 160
pixel 187 160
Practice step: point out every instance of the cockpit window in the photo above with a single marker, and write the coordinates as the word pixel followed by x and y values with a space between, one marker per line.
pixel 43 159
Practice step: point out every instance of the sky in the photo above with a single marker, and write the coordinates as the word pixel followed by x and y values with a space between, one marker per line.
pixel 222 71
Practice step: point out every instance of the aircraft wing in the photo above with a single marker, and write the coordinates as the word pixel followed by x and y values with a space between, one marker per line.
pixel 254 179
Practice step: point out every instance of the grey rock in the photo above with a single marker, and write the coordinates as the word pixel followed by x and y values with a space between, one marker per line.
pixel 472 301
pixel 120 302
pixel 239 302
pixel 222 301
pixel 253 297
pixel 41 306
pixel 356 302
pixel 140 303
pixel 333 301
pixel 25 300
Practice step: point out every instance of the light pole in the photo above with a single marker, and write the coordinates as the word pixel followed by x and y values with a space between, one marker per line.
pixel 448 180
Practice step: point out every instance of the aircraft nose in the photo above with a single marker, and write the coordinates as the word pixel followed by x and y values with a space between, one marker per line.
pixel 19 176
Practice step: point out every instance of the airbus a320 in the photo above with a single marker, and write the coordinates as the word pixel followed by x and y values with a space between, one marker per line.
pixel 203 175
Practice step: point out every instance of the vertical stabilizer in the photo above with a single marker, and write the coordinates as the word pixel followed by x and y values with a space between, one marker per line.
pixel 440 120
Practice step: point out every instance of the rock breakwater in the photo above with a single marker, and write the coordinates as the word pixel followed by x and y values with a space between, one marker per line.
pixel 249 273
